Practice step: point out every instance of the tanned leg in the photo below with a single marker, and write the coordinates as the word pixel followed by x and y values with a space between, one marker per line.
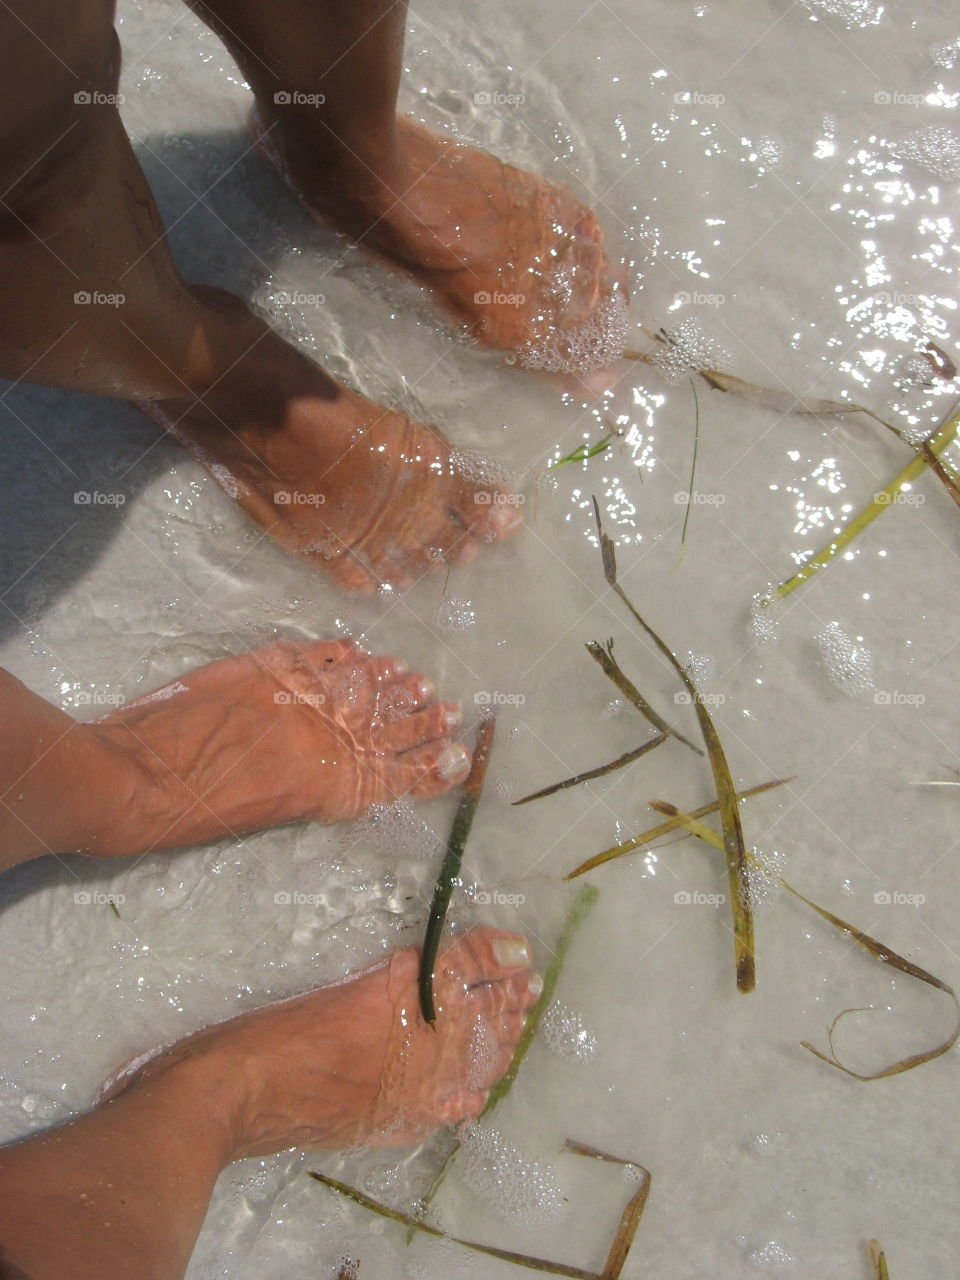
pixel 92 301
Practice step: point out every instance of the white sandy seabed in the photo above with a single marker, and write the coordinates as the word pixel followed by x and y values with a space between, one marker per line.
pixel 783 179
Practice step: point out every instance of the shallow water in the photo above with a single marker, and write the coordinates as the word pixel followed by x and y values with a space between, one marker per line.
pixel 785 181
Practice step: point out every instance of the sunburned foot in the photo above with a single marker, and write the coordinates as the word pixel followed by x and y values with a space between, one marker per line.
pixel 284 733
pixel 355 1064
pixel 517 258
pixel 361 491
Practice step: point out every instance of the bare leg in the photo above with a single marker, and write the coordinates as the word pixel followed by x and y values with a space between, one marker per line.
pixel 518 259
pixel 122 1192
pixel 386 497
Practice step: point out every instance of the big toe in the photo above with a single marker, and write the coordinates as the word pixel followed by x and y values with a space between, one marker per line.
pixel 490 515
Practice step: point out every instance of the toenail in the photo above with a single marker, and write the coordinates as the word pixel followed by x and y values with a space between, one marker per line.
pixel 511 953
pixel 428 690
pixel 453 718
pixel 505 519
pixel 535 985
pixel 453 762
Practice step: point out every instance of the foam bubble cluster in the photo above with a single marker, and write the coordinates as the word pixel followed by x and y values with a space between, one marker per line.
pixel 765 615
pixel 767 153
pixel 946 53
pixel 691 350
pixel 479 469
pixel 934 147
pixel 762 877
pixel 771 1255
pixel 510 1182
pixel 567 1034
pixel 853 13
pixel 848 664
pixel 455 615
pixel 699 667
pixel 392 829
pixel 484 1049
pixel 595 344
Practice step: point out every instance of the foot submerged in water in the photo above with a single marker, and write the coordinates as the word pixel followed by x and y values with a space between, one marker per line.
pixel 518 259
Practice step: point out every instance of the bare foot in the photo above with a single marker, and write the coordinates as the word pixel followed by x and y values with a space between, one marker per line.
pixel 355 1064
pixel 517 258
pixel 281 734
pixel 359 490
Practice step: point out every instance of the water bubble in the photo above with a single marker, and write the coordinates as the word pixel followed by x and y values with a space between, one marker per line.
pixel 690 349
pixel 613 709
pixel 382 1180
pixel 946 53
pixel 699 667
pixel 483 1052
pixel 853 13
pixel 567 1034
pixel 454 615
pixel 848 664
pixel 934 147
pixel 595 344
pixel 771 1255
pixel 765 888
pixel 765 616
pixel 512 1183
pixel 392 829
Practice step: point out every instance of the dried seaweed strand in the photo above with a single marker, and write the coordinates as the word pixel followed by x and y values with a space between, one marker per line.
pixel 869 944
pixel 450 868
pixel 882 501
pixel 765 397
pixel 384 1211
pixel 723 781
pixel 786 402
pixel 628 757
pixel 878 1258
pixel 617 1256
pixel 630 1218
pixel 648 837
pixel 579 910
pixel 613 671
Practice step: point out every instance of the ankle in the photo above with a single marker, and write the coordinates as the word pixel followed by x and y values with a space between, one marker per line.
pixel 363 168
